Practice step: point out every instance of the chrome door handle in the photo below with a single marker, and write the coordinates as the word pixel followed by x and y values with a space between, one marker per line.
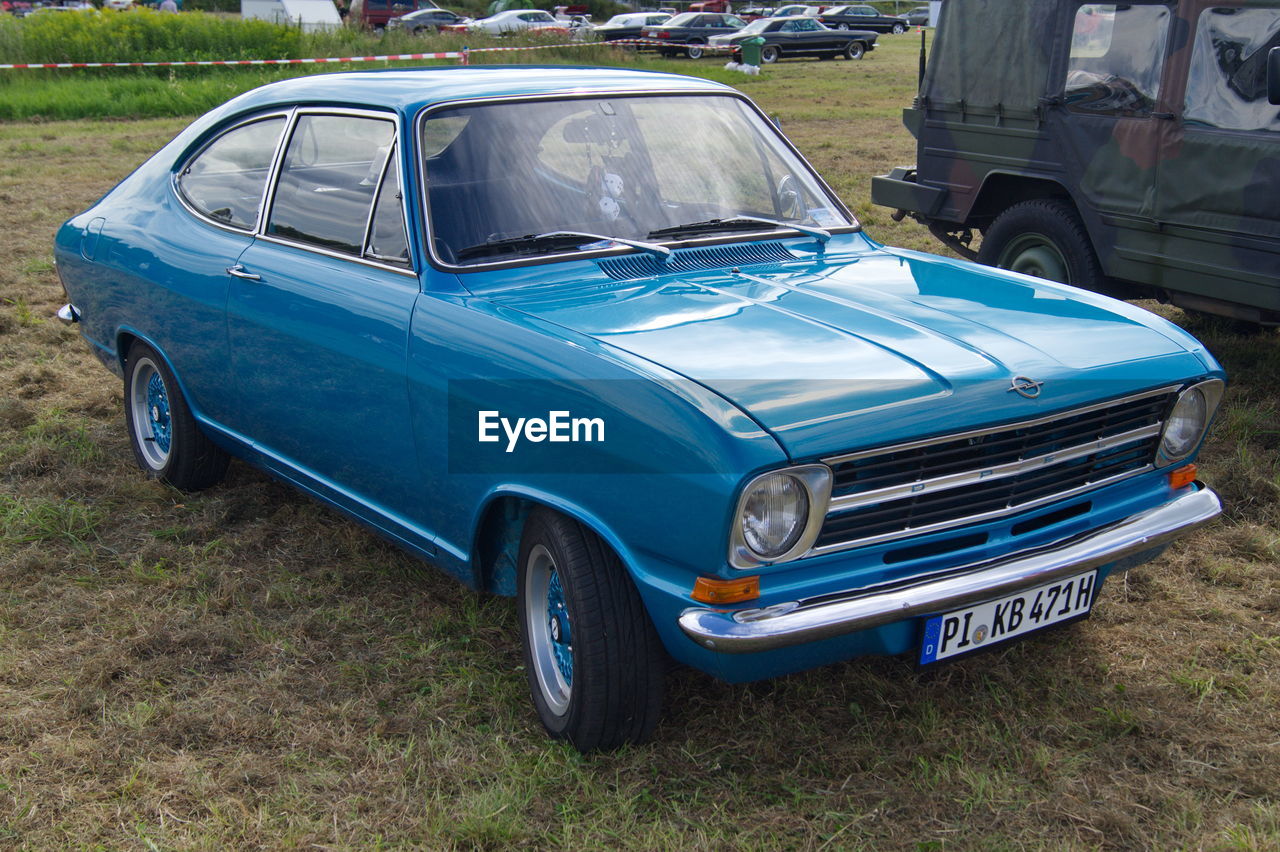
pixel 239 272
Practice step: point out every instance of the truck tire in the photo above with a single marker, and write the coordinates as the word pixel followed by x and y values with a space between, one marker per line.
pixel 1045 239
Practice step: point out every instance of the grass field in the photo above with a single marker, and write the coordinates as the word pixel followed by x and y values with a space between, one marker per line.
pixel 246 669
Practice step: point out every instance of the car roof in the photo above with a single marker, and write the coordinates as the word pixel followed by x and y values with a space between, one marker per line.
pixel 409 90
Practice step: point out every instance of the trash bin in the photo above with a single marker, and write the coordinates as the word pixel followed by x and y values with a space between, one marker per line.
pixel 751 50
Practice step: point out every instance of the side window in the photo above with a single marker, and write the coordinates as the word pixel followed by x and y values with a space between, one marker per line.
pixel 1227 82
pixel 791 27
pixel 327 181
pixel 1117 53
pixel 388 241
pixel 226 180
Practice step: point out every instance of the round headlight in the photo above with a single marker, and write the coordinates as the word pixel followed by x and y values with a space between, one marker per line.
pixel 1185 425
pixel 774 514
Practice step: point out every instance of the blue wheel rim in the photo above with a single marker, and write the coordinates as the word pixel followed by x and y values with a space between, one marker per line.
pixel 548 630
pixel 558 625
pixel 158 412
pixel 151 414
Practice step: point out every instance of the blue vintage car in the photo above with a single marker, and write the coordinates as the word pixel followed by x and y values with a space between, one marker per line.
pixel 602 340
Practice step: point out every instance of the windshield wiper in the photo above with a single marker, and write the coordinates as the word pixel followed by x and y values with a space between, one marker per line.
pixel 738 223
pixel 553 241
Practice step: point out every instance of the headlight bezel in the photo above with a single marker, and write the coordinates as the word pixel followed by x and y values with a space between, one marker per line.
pixel 1211 390
pixel 816 482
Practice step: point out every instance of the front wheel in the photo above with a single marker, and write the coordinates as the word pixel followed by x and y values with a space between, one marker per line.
pixel 167 441
pixel 1043 238
pixel 693 51
pixel 855 50
pixel 899 29
pixel 594 662
pixel 769 54
pixel 842 27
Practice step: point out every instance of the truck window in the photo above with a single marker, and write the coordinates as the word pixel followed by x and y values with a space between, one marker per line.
pixel 1227 82
pixel 1117 52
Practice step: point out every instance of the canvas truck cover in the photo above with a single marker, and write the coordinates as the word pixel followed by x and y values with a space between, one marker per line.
pixel 1149 120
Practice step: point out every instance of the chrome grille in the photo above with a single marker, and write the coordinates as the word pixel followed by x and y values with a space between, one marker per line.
pixel 939 483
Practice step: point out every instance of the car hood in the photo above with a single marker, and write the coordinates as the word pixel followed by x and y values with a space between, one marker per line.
pixel 851 350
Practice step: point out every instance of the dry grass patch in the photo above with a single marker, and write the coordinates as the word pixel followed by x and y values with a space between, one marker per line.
pixel 243 668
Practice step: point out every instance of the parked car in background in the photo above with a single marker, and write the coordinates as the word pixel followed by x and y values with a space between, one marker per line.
pixel 1130 149
pixel 678 404
pixel 798 37
pixel 424 21
pixel 513 21
pixel 795 9
pixel 375 14
pixel 862 18
pixel 918 17
pixel 693 29
pixel 629 26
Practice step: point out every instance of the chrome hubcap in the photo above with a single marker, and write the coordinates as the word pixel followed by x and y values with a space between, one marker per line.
pixel 152 421
pixel 550 630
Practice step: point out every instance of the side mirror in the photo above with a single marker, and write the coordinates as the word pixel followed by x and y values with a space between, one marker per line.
pixel 1273 75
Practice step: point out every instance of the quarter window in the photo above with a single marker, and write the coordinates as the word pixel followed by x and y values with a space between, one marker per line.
pixel 226 180
pixel 328 180
pixel 1117 52
pixel 388 241
pixel 1227 84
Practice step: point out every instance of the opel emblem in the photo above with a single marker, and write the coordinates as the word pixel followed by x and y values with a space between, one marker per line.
pixel 1023 386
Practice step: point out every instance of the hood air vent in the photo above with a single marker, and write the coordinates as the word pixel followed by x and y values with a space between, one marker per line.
pixel 686 260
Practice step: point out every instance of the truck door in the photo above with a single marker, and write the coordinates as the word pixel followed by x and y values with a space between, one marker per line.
pixel 1218 188
pixel 1112 122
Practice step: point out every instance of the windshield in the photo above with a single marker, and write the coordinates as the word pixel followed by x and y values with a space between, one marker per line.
pixel 757 26
pixel 682 19
pixel 609 166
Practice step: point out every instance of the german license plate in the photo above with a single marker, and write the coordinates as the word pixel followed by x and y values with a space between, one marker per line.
pixel 974 628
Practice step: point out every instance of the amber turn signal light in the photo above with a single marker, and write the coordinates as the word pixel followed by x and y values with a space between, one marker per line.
pixel 715 591
pixel 1183 476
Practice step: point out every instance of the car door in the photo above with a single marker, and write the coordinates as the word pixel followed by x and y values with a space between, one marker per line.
pixel 1218 179
pixel 319 313
pixel 223 185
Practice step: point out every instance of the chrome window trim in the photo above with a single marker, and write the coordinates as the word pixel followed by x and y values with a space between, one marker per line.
pixel 396 141
pixel 1016 424
pixel 991 474
pixel 175 183
pixel 420 165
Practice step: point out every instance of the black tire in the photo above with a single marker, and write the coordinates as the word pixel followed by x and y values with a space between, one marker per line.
pixel 769 54
pixel 1043 238
pixel 694 50
pixel 167 442
pixel 578 604
pixel 899 29
pixel 855 50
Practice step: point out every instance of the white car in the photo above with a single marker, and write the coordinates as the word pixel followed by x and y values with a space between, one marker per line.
pixel 788 11
pixel 516 20
pixel 118 5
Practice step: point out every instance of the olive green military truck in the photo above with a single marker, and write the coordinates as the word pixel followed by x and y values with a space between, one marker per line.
pixel 1129 148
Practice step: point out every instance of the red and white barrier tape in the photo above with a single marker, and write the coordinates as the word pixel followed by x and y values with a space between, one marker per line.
pixel 390 57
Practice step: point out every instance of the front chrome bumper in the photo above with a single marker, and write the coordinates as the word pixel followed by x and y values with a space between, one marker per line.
pixel 796 622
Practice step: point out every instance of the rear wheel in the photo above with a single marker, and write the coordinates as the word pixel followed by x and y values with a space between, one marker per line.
pixel 769 54
pixel 594 662
pixel 842 26
pixel 1043 238
pixel 694 51
pixel 855 50
pixel 167 441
